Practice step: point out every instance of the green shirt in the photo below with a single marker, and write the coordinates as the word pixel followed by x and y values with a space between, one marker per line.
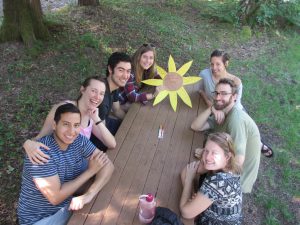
pixel 246 138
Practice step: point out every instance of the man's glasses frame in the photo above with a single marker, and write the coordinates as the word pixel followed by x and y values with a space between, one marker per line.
pixel 222 93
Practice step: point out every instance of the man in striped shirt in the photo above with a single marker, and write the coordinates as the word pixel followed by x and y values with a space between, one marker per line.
pixel 47 190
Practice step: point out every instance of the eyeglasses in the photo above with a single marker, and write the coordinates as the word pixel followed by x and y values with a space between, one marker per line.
pixel 149 44
pixel 222 93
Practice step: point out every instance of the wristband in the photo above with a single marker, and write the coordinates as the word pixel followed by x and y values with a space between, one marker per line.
pixel 99 122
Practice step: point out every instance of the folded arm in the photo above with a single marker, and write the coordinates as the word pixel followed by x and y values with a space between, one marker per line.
pixel 191 206
pixel 200 122
pixel 56 192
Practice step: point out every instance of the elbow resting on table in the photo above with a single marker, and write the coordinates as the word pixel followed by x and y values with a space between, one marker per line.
pixel 55 200
pixel 193 127
pixel 186 214
pixel 112 145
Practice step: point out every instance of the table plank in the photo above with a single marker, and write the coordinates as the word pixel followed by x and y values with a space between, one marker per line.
pixel 145 164
pixel 142 173
pixel 79 217
pixel 130 169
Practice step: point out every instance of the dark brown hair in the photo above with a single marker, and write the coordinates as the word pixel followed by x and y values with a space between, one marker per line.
pixel 65 108
pixel 219 53
pixel 115 58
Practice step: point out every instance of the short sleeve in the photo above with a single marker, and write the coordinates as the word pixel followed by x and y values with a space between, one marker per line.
pixel 238 133
pixel 211 122
pixel 239 93
pixel 213 186
pixel 201 85
pixel 88 147
pixel 103 111
pixel 115 96
pixel 43 170
pixel 239 96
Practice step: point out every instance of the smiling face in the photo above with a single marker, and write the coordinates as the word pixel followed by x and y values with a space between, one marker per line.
pixel 217 66
pixel 147 60
pixel 93 94
pixel 120 75
pixel 223 96
pixel 66 129
pixel 213 157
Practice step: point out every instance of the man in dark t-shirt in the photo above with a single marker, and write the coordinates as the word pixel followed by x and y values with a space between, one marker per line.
pixel 117 73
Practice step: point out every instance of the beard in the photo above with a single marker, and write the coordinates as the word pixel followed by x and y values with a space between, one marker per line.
pixel 223 105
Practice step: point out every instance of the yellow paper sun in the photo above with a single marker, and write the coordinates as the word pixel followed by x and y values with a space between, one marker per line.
pixel 173 82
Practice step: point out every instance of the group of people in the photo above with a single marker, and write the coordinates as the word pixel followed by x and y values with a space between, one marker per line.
pixel 229 162
pixel 66 165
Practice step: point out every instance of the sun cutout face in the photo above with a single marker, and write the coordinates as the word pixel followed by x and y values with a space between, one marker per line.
pixel 173 83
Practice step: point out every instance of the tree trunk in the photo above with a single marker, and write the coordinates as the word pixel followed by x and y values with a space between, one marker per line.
pixel 88 2
pixel 23 21
pixel 248 8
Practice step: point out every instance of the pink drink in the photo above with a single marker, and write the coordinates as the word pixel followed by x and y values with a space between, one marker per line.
pixel 147 208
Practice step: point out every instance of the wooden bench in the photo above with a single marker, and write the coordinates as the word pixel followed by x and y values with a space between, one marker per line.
pixel 146 164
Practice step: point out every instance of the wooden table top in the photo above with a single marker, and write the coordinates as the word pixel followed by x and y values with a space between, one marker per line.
pixel 146 164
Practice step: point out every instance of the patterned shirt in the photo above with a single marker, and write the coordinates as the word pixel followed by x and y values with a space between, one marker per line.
pixel 246 139
pixel 131 91
pixel 67 164
pixel 224 189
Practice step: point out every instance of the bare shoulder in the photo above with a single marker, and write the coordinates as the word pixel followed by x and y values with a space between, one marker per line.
pixel 55 106
pixel 68 101
pixel 235 79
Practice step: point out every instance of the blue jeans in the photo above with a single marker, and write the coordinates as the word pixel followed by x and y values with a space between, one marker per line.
pixel 61 217
pixel 113 126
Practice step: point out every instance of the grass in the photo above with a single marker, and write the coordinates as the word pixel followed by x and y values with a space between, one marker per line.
pixel 275 77
pixel 268 63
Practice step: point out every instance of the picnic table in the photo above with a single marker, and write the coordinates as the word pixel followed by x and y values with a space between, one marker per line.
pixel 146 164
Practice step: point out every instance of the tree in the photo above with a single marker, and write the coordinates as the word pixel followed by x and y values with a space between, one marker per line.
pixel 88 2
pixel 248 8
pixel 23 20
pixel 269 12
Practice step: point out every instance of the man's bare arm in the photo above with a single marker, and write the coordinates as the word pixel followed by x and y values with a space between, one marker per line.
pixel 200 123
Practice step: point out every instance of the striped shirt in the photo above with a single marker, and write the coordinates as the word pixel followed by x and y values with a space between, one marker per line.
pixel 67 164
